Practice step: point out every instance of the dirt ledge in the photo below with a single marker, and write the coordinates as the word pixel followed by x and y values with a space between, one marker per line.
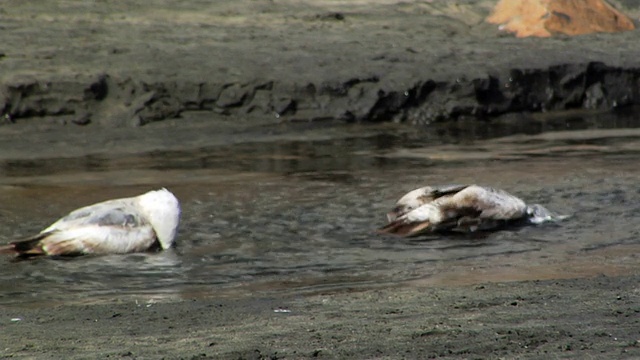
pixel 115 65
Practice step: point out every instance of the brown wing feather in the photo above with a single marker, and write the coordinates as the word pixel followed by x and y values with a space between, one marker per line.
pixel 439 191
pixel 403 229
pixel 8 249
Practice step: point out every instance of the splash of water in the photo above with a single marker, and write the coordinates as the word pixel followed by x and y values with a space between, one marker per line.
pixel 539 214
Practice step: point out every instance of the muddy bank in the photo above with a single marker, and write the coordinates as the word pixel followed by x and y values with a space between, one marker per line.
pixel 97 63
pixel 575 318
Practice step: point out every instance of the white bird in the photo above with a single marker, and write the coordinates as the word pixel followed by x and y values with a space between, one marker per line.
pixel 142 223
pixel 463 208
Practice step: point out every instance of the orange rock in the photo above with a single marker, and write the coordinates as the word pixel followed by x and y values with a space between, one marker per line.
pixel 547 17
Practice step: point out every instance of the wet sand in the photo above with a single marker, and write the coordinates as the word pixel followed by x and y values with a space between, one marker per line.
pixel 553 319
pixel 251 69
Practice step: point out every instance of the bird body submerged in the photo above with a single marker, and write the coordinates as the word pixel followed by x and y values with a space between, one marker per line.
pixel 464 208
pixel 135 224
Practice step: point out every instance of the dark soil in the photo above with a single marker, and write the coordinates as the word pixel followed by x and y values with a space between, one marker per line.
pixel 110 64
pixel 577 318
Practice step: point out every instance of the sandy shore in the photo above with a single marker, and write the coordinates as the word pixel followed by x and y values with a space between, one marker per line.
pixel 574 318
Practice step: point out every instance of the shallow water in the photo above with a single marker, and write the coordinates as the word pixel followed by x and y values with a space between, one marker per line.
pixel 298 216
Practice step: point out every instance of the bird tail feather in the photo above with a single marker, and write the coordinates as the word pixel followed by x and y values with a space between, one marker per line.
pixel 403 229
pixel 28 247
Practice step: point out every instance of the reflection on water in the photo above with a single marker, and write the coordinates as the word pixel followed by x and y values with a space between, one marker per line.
pixel 298 216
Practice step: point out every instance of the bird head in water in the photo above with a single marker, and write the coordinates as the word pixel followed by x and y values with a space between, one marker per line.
pixel 163 212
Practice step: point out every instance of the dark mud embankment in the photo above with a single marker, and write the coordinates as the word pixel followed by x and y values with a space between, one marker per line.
pixel 100 63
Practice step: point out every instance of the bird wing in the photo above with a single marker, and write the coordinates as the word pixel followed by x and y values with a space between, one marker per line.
pixel 404 229
pixel 98 239
pixel 415 222
pixel 121 212
pixel 489 203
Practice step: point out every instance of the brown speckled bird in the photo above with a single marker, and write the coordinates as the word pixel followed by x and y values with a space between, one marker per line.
pixel 461 208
